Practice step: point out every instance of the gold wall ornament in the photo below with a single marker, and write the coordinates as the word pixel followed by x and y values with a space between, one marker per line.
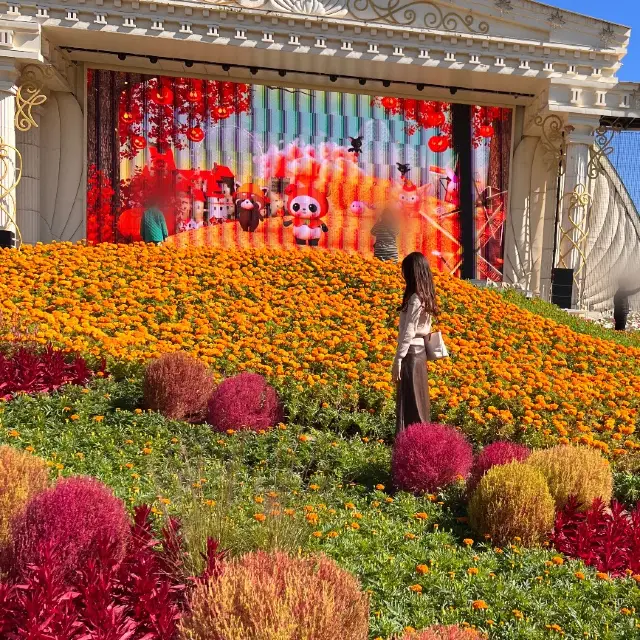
pixel 29 94
pixel 10 176
pixel 602 148
pixel 574 234
pixel 411 13
pixel 553 142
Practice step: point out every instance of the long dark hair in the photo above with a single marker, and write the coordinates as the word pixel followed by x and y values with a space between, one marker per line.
pixel 417 274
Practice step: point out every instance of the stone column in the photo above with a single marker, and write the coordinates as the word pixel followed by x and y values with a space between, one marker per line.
pixel 576 201
pixel 8 76
pixel 28 196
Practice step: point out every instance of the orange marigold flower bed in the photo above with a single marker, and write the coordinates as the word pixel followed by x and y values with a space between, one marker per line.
pixel 320 319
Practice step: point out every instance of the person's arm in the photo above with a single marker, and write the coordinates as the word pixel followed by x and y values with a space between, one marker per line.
pixel 163 226
pixel 375 229
pixel 407 334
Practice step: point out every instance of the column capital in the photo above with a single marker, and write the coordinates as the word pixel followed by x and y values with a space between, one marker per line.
pixel 581 129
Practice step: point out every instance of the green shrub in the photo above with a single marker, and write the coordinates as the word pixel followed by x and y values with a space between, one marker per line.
pixel 574 471
pixel 512 501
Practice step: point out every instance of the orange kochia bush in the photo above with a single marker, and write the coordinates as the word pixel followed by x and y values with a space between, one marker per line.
pixel 317 319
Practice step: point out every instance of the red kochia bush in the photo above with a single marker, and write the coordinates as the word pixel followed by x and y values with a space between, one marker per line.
pixel 178 386
pixel 605 538
pixel 70 519
pixel 28 370
pixel 492 455
pixel 244 402
pixel 427 457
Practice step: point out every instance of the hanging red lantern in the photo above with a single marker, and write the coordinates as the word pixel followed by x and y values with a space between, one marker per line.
pixel 486 130
pixel 435 119
pixel 138 142
pixel 222 113
pixel 389 103
pixel 195 134
pixel 194 95
pixel 129 224
pixel 127 117
pixel 438 144
pixel 162 95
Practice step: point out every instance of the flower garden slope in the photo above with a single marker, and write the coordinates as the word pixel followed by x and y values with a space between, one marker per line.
pixel 324 324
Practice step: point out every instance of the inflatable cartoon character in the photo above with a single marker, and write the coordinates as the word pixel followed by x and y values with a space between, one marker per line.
pixel 306 207
pixel 249 204
pixel 412 198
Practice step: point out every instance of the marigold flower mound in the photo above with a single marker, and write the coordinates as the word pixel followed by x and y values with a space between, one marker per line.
pixel 274 596
pixel 178 386
pixel 493 454
pixel 323 322
pixel 440 632
pixel 22 476
pixel 67 523
pixel 245 401
pixel 428 457
pixel 574 471
pixel 512 501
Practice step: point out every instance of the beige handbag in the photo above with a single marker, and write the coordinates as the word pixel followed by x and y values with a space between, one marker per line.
pixel 435 346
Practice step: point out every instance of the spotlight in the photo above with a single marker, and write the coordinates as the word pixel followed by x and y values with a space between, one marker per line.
pixel 188 63
pixel 253 70
pixel 453 90
pixel 386 83
pixel 226 67
pixel 333 78
pixel 153 59
pixel 420 87
pixel 122 56
pixel 282 73
pixel 362 82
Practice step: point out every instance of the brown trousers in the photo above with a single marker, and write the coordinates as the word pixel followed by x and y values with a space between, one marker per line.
pixel 412 399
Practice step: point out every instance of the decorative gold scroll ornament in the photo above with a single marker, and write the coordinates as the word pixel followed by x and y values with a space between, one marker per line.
pixel 414 12
pixel 553 142
pixel 29 95
pixel 10 176
pixel 602 149
pixel 574 236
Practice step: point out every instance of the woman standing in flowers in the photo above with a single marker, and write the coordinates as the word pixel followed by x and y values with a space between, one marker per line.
pixel 410 363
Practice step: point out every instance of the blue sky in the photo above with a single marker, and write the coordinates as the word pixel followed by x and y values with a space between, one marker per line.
pixel 625 12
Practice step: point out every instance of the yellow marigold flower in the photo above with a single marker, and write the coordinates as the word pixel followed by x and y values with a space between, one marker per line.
pixel 602 576
pixel 332 534
pixel 349 505
pixel 260 517
pixel 380 487
pixel 479 604
pixel 303 438
pixel 473 571
pixel 518 614
pixel 468 541
pixel 416 588
pixel 290 512
pixel 30 449
pixel 421 515
pixel 317 534
pixel 314 487
pixel 410 536
pixel 388 500
pixel 258 499
pixel 147 451
pixel 138 411
pixel 626 612
pixel 557 560
pixel 75 417
pixel 422 569
pixel 230 432
pixel 98 418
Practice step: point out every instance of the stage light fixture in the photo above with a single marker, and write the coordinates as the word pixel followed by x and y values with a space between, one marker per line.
pixel 453 90
pixel 362 81
pixel 153 59
pixel 420 87
pixel 333 78
pixel 226 67
pixel 122 56
pixel 282 73
pixel 188 63
pixel 386 83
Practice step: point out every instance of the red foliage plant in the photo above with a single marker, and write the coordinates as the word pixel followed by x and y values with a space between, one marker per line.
pixel 141 597
pixel 605 538
pixel 244 402
pixel 427 457
pixel 492 455
pixel 100 205
pixel 70 519
pixel 27 370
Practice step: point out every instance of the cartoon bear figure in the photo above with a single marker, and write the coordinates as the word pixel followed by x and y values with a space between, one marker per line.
pixel 249 204
pixel 305 209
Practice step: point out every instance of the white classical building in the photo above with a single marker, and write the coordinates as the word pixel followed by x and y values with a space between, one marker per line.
pixel 557 70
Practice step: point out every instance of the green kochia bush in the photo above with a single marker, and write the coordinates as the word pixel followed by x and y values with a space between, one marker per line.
pixel 512 501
